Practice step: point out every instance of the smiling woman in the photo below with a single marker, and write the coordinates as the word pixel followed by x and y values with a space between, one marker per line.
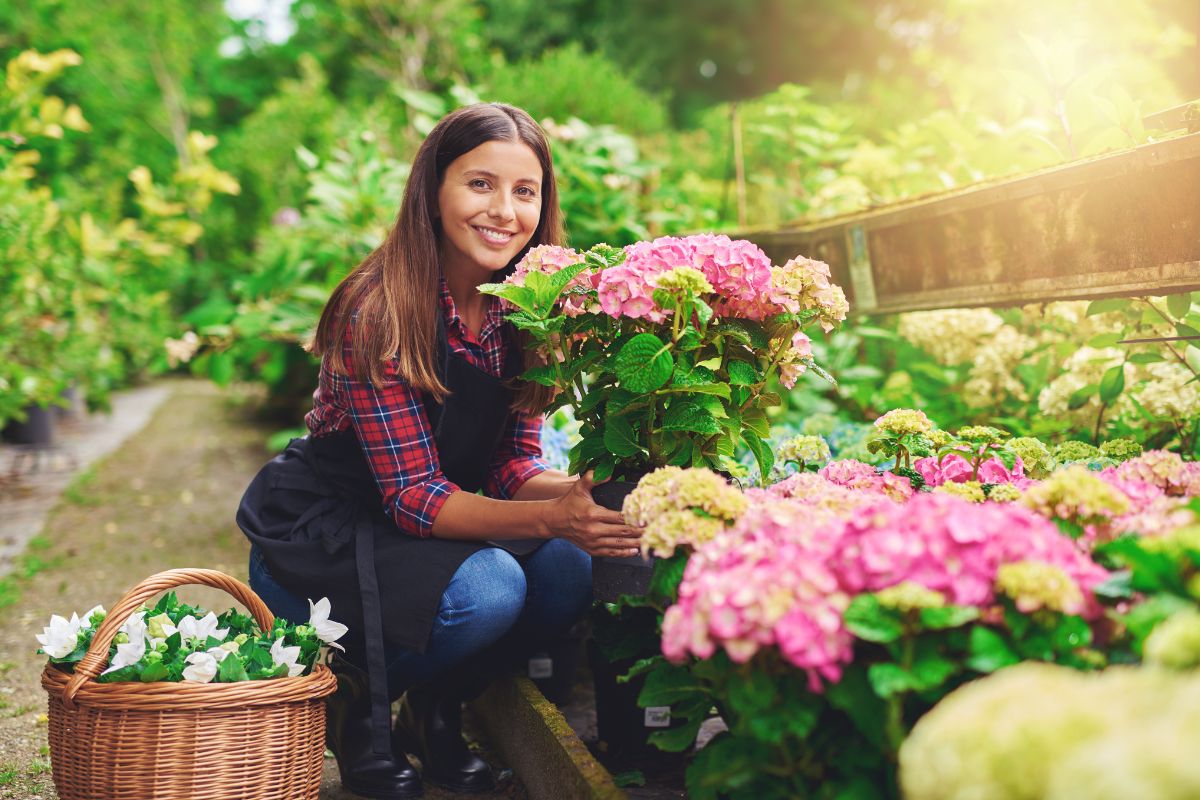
pixel 398 505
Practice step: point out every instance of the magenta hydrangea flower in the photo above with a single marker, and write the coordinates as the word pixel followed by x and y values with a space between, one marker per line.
pixel 738 269
pixel 858 475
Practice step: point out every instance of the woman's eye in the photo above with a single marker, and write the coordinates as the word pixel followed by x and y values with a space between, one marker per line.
pixel 527 191
pixel 478 183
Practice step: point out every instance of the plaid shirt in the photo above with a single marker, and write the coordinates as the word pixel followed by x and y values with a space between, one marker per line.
pixel 394 431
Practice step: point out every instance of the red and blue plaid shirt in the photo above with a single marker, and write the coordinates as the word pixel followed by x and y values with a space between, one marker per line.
pixel 394 431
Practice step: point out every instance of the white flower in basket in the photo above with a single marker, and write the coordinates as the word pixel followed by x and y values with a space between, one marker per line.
pixel 130 652
pixel 59 637
pixel 327 630
pixel 191 628
pixel 281 655
pixel 202 668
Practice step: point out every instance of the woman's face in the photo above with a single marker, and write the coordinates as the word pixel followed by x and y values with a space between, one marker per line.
pixel 489 203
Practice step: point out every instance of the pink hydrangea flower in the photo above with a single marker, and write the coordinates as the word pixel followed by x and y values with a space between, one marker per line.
pixel 738 269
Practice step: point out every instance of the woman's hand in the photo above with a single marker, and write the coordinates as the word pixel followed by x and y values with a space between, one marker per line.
pixel 590 527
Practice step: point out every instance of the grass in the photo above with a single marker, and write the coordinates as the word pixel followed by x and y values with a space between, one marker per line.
pixel 77 491
pixel 25 566
pixel 8 774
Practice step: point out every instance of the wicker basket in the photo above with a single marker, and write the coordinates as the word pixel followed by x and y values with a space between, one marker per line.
pixel 185 741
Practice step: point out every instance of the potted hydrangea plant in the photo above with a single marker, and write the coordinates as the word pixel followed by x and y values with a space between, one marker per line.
pixel 666 351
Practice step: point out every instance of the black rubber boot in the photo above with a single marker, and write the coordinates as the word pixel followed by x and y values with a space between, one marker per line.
pixel 348 735
pixel 430 727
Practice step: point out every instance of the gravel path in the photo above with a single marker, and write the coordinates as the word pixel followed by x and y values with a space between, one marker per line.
pixel 164 499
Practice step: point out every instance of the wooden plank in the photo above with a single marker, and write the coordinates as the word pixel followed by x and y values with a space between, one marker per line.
pixel 1121 224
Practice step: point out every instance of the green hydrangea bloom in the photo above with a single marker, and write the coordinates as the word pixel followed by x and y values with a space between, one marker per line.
pixel 1035 455
pixel 967 490
pixel 1121 449
pixel 1034 585
pixel 1003 493
pixel 910 596
pixel 1075 451
pixel 684 279
pixel 1175 642
pixel 804 450
pixel 982 434
pixel 901 421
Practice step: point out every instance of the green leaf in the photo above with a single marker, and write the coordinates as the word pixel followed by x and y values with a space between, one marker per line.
pixel 603 471
pixel 1104 340
pixel 755 419
pixel 644 363
pixel 1105 306
pixel 676 739
pixel 1112 384
pixel 1080 397
pixel 930 670
pixel 156 671
pixel 752 693
pixel 989 651
pixel 620 438
pixel 667 685
pixel 1179 305
pixel 762 454
pixel 543 375
pixel 231 670
pixel 1146 358
pixel 666 575
pixel 704 311
pixel 220 368
pixel 888 679
pixel 868 620
pixel 687 416
pixel 742 373
pixel 1192 356
pixel 936 619
pixel 520 296
pixel 715 389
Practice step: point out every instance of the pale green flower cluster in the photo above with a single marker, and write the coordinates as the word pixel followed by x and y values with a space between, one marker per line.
pixel 1170 391
pixel 910 596
pixel 1120 449
pixel 684 279
pixel 681 507
pixel 1085 368
pixel 982 434
pixel 901 421
pixel 1034 584
pixel 804 450
pixel 993 377
pixel 1070 451
pixel 1077 495
pixel 1004 493
pixel 1034 455
pixel 1042 732
pixel 1175 642
pixel 971 491
pixel 952 336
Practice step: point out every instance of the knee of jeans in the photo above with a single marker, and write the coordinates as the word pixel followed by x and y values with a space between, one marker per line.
pixel 488 590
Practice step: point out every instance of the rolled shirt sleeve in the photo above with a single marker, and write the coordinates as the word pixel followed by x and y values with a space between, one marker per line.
pixel 518 457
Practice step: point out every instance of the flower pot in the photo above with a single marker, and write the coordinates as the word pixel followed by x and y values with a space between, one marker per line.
pixel 37 429
pixel 614 576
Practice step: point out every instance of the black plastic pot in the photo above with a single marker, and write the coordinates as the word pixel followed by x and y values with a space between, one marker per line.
pixel 37 429
pixel 613 576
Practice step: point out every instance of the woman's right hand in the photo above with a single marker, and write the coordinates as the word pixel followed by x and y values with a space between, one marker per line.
pixel 590 527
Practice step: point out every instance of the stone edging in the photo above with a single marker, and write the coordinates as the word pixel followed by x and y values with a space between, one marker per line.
pixel 533 737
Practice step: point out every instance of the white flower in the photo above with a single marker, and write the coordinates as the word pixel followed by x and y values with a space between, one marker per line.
pixel 203 668
pixel 223 649
pixel 59 638
pixel 191 628
pixel 327 630
pixel 132 651
pixel 281 655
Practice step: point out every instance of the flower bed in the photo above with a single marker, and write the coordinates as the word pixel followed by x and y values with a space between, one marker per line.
pixel 825 614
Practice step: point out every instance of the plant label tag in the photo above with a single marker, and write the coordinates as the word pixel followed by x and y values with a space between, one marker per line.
pixel 658 717
pixel 541 667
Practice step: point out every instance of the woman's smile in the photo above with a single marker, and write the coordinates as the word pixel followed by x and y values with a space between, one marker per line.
pixel 493 236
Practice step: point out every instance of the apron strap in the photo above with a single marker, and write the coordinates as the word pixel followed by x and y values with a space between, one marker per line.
pixel 368 581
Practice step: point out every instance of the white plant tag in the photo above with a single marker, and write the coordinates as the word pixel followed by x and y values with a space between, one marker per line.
pixel 541 667
pixel 658 717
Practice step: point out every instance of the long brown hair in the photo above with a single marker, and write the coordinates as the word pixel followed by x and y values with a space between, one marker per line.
pixel 394 290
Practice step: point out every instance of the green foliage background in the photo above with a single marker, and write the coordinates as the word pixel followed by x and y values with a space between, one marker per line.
pixel 840 105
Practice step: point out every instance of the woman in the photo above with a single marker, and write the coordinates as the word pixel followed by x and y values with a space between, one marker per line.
pixel 415 413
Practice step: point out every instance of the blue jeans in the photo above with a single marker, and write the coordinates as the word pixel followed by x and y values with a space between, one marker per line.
pixel 490 595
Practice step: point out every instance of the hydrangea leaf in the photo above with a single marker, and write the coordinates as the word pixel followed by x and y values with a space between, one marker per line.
pixel 231 670
pixel 947 617
pixel 644 363
pixel 1112 384
pixel 620 437
pixel 742 374
pixel 868 620
pixel 762 454
pixel 989 651
pixel 687 416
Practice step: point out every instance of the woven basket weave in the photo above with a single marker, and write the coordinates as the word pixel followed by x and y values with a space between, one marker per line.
pixel 185 741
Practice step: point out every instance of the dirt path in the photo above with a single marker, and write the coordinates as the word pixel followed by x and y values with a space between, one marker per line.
pixel 165 499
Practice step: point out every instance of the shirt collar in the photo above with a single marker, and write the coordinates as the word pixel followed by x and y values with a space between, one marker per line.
pixel 492 319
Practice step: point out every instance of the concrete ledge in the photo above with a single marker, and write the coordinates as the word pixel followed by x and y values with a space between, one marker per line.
pixel 532 736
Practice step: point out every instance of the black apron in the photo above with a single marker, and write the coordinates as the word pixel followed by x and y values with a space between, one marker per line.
pixel 317 515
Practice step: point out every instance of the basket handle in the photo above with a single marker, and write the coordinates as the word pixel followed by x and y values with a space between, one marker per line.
pixel 96 657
